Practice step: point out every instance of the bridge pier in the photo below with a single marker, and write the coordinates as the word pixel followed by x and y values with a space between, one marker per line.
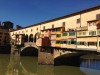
pixel 47 55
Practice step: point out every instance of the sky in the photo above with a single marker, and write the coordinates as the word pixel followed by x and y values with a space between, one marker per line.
pixel 29 12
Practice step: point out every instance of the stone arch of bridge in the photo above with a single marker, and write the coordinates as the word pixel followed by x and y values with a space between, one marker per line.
pixel 29 51
pixel 67 58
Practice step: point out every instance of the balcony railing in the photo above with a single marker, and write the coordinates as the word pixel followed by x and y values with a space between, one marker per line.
pixel 82 28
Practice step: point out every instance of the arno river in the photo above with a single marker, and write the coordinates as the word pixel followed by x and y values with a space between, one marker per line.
pixel 26 65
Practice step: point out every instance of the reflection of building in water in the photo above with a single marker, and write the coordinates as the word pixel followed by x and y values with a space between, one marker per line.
pixel 90 62
pixel 15 66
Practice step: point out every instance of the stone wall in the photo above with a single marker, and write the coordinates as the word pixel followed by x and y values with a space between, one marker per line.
pixel 45 57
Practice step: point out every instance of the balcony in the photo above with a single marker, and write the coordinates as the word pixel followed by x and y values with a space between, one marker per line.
pixel 82 28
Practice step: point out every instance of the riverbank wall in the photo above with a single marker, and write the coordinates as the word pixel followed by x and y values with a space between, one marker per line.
pixel 5 49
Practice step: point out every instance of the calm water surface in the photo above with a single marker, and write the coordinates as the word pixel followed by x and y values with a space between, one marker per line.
pixel 15 65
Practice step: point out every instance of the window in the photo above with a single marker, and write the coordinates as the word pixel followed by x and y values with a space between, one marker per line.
pixel 99 32
pixel 61 42
pixel 37 28
pixel 64 34
pixel 99 43
pixel 71 33
pixel 85 43
pixel 78 20
pixel 78 43
pixel 92 33
pixel 57 42
pixel 43 27
pixel 84 33
pixel 79 33
pixel 53 30
pixel 98 16
pixel 64 42
pixel 82 43
pixel 22 31
pixel 68 42
pixel 72 42
pixel 19 32
pixel 58 29
pixel 26 30
pixel 92 43
pixel 53 26
pixel 63 24
pixel 31 30
pixel 58 35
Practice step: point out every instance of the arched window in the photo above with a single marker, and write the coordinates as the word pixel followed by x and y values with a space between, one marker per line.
pixel 31 38
pixel 26 38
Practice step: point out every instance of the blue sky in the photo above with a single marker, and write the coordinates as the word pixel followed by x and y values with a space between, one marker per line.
pixel 28 12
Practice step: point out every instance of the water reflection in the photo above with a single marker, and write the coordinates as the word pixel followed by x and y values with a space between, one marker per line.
pixel 90 61
pixel 16 65
pixel 90 64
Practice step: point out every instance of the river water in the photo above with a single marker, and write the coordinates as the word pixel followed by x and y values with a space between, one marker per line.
pixel 27 65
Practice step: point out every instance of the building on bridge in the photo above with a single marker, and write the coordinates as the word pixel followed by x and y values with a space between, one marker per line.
pixel 79 30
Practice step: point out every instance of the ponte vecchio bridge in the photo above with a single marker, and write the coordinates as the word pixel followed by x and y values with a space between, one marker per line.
pixel 71 34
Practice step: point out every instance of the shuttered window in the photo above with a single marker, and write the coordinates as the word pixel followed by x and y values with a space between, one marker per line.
pixel 64 34
pixel 92 33
pixel 71 33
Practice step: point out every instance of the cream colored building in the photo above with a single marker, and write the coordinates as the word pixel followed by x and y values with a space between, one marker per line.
pixel 76 26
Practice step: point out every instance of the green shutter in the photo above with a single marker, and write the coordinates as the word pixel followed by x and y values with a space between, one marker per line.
pixel 92 33
pixel 69 42
pixel 75 42
pixel 61 42
pixel 64 34
pixel 71 33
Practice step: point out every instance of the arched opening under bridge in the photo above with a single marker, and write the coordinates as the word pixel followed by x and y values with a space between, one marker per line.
pixel 29 51
pixel 71 59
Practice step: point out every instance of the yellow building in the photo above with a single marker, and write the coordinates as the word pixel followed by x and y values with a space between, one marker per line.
pixel 69 39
